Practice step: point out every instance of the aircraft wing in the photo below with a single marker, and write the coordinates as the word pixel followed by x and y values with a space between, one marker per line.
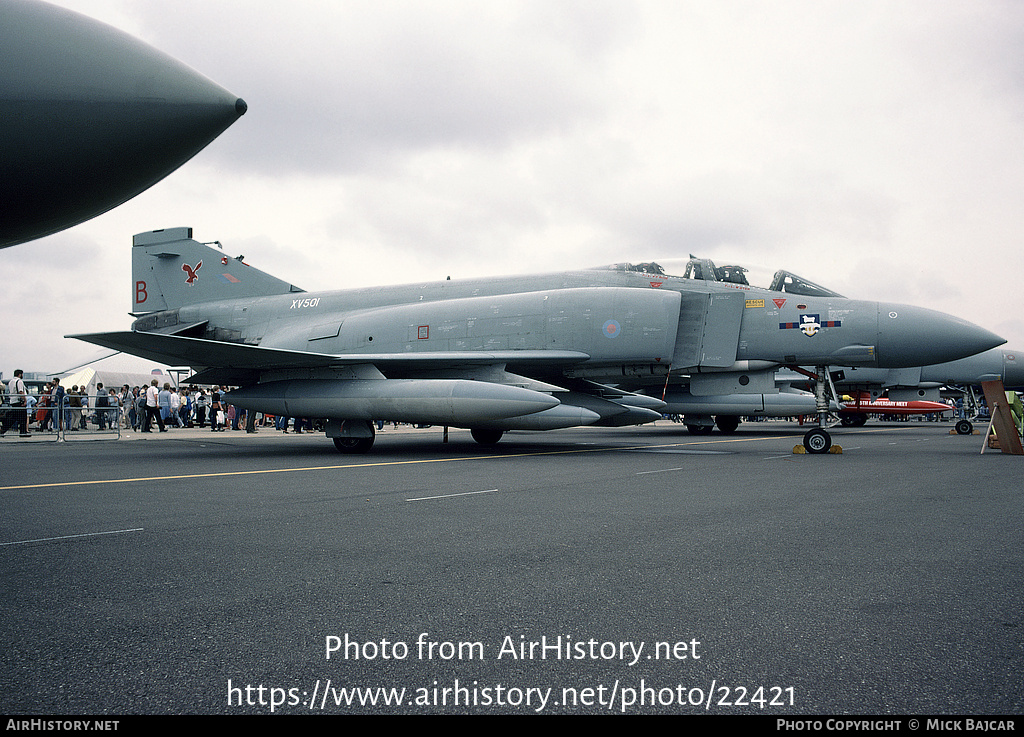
pixel 233 362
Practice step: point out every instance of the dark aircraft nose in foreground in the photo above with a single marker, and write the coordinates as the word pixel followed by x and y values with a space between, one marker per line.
pixel 90 117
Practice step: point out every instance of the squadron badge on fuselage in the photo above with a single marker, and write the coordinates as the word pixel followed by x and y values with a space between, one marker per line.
pixel 810 325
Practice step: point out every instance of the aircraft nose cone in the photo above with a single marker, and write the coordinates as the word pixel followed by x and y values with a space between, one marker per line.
pixel 91 118
pixel 915 336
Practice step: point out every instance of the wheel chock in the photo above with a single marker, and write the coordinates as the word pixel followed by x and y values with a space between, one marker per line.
pixel 801 450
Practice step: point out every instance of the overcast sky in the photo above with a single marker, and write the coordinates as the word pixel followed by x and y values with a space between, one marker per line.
pixel 874 147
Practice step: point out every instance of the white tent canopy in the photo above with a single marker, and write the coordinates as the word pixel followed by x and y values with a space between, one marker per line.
pixel 89 377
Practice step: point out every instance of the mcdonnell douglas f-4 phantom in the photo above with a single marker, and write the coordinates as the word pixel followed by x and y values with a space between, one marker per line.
pixel 525 352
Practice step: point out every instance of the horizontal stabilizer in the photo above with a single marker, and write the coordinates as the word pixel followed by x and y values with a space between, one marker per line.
pixel 178 351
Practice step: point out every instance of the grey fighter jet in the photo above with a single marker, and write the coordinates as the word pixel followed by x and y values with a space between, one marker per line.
pixel 538 352
pixel 90 117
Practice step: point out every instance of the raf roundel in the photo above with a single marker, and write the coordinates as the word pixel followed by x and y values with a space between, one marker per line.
pixel 611 329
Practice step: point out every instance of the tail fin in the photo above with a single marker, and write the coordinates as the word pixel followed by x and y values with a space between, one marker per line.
pixel 171 270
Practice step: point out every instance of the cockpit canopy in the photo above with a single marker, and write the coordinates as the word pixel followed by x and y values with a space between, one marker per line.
pixel 649 267
pixel 787 281
pixel 704 269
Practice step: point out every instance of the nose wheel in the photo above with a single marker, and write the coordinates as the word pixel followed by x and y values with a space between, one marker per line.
pixel 817 441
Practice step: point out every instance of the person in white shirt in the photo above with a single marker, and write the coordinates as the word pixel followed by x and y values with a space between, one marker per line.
pixel 17 395
pixel 153 407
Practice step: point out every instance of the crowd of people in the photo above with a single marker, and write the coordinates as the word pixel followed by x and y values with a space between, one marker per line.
pixel 140 409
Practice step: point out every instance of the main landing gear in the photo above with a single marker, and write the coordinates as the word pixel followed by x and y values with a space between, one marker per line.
pixel 486 436
pixel 727 423
pixel 705 426
pixel 350 444
pixel 362 443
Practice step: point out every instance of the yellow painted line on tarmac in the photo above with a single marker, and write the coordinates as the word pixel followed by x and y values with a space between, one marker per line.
pixel 380 464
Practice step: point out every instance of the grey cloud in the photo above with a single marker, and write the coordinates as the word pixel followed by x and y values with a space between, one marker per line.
pixel 375 81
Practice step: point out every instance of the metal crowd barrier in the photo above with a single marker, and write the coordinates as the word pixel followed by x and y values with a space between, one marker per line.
pixel 107 419
pixel 72 422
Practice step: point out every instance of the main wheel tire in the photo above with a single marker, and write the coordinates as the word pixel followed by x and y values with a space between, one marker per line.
pixel 354 445
pixel 727 423
pixel 964 427
pixel 817 441
pixel 485 436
